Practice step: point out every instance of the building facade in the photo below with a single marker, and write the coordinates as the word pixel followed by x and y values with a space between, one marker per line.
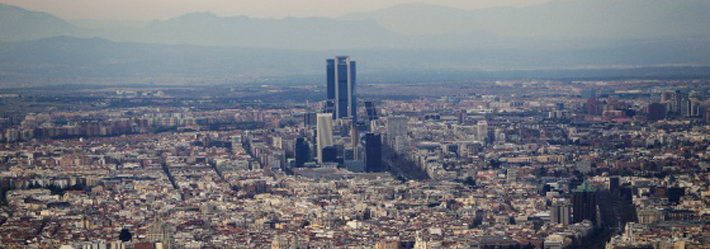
pixel 341 75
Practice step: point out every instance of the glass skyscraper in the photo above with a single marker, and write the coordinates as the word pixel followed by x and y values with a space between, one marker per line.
pixel 341 88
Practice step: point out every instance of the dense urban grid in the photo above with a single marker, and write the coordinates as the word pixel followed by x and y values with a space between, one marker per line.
pixel 479 164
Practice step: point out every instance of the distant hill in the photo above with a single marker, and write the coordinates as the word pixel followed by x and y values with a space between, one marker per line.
pixel 408 42
pixel 597 19
pixel 293 33
pixel 556 25
pixel 17 24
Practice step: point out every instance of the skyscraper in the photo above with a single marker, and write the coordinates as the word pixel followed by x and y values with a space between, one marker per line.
pixel 371 110
pixel 302 151
pixel 341 88
pixel 397 133
pixel 584 201
pixel 324 134
pixel 373 153
pixel 560 212
pixel 309 119
pixel 482 130
pixel 656 111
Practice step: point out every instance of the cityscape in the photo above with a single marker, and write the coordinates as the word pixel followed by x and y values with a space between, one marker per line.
pixel 347 156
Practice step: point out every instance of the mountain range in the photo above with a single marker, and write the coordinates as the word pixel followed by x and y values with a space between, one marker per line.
pixel 565 34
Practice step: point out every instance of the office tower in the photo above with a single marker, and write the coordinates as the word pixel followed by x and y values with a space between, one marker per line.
pixel 354 137
pixel 656 111
pixel 397 133
pixel 482 131
pixel 614 183
pixel 302 151
pixel 309 119
pixel 373 153
pixel 397 126
pixel 324 134
pixel 354 141
pixel 686 107
pixel 560 212
pixel 678 101
pixel 697 108
pixel 341 88
pixel 371 110
pixel 584 201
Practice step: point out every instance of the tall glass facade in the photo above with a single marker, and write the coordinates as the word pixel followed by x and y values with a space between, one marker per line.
pixel 341 74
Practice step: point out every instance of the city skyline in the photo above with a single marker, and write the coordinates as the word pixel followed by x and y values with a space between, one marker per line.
pixel 511 124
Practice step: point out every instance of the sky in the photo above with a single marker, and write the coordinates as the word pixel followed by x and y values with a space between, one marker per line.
pixel 165 9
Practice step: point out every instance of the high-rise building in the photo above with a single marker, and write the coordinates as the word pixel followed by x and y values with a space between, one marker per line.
pixel 614 183
pixel 584 201
pixel 354 141
pixel 302 151
pixel 324 134
pixel 373 153
pixel 397 133
pixel 482 130
pixel 686 107
pixel 678 101
pixel 371 110
pixel 341 75
pixel 309 119
pixel 329 154
pixel 656 111
pixel 560 212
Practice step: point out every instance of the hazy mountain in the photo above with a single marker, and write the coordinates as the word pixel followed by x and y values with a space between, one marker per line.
pixel 294 33
pixel 108 25
pixel 568 24
pixel 617 19
pixel 203 46
pixel 419 19
pixel 17 24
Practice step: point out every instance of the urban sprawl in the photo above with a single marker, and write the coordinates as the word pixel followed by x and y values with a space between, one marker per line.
pixel 480 164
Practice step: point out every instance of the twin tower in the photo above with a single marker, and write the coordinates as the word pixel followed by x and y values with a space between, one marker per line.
pixel 340 102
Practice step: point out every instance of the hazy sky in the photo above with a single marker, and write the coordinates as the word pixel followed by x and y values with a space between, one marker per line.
pixel 163 9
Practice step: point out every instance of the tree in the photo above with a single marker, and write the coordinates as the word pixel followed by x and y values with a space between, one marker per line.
pixel 125 235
